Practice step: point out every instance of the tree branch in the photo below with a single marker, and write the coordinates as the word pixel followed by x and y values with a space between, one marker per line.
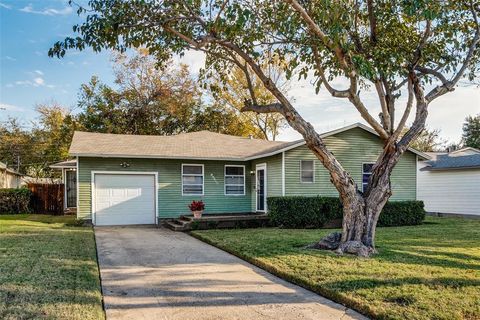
pixel 383 103
pixel 450 85
pixel 266 108
pixel 406 113
pixel 334 92
pixel 315 29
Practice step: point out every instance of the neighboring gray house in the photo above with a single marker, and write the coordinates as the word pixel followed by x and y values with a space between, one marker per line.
pixel 449 183
pixel 10 178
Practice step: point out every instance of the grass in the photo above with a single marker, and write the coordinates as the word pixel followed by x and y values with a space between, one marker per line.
pixel 48 269
pixel 431 271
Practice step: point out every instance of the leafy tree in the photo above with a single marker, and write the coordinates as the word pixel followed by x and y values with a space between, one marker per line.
pixel 15 143
pixel 33 149
pixel 233 89
pixel 428 140
pixel 216 118
pixel 151 99
pixel 471 131
pixel 420 49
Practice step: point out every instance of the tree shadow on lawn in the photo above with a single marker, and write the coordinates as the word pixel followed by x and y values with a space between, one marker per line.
pixel 359 284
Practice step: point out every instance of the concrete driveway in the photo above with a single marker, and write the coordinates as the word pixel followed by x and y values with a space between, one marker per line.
pixel 150 273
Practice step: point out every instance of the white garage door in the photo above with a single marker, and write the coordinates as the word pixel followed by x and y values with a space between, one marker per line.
pixel 123 199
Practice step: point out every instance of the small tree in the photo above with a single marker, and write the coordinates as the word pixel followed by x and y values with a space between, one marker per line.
pixel 232 89
pixel 471 132
pixel 428 140
pixel 394 47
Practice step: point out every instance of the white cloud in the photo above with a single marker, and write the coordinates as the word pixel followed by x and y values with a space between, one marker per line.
pixel 10 58
pixel 47 11
pixel 38 72
pixel 10 107
pixel 38 82
pixel 5 6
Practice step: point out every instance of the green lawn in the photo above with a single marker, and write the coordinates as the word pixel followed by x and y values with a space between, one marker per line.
pixel 48 269
pixel 430 271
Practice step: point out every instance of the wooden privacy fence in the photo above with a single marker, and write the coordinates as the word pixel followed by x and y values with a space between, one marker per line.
pixel 47 198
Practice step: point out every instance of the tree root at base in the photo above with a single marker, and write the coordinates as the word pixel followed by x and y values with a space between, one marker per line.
pixel 333 242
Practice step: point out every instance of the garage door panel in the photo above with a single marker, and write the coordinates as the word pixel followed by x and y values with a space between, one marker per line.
pixel 122 199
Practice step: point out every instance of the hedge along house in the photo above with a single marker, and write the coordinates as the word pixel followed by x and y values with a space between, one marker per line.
pixel 132 179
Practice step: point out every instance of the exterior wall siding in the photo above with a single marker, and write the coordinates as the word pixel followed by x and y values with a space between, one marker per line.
pixel 351 148
pixel 450 191
pixel 171 203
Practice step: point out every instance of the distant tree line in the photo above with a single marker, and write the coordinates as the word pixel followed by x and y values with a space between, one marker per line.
pixel 146 99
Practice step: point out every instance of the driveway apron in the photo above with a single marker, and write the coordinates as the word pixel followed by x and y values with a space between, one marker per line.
pixel 155 273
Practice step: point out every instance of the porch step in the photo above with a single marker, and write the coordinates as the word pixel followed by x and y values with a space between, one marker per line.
pixel 178 225
pixel 187 222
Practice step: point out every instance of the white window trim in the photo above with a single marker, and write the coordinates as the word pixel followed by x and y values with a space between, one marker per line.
pixel 225 179
pixel 301 178
pixel 373 163
pixel 203 179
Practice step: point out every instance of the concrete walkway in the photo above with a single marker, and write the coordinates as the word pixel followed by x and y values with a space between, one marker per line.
pixel 150 273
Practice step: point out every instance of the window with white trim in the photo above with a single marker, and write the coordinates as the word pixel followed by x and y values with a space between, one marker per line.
pixel 192 179
pixel 307 171
pixel 366 173
pixel 234 180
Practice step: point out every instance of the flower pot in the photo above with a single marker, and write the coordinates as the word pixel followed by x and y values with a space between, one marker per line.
pixel 197 214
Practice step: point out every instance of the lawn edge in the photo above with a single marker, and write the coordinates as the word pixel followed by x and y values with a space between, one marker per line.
pixel 326 293
pixel 99 272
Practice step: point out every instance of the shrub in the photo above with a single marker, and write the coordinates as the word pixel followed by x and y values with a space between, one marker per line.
pixel 15 201
pixel 314 212
pixel 303 212
pixel 402 213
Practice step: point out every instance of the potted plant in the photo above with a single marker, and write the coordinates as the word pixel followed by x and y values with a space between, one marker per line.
pixel 197 208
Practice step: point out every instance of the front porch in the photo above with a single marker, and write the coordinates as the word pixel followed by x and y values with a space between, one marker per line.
pixel 218 221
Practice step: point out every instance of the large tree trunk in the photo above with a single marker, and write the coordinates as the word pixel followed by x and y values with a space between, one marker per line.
pixel 362 210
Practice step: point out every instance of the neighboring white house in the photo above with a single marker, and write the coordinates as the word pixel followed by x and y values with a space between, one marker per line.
pixel 450 182
pixel 9 178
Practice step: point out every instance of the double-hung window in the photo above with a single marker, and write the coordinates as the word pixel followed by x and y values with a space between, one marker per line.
pixel 307 171
pixel 192 179
pixel 234 180
pixel 366 173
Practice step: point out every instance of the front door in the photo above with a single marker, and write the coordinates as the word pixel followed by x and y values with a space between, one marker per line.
pixel 261 178
pixel 71 188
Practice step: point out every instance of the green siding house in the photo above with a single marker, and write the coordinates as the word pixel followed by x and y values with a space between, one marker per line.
pixel 133 179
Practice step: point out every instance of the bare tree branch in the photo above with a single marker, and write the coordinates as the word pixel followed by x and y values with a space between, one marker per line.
pixel 406 113
pixel 383 103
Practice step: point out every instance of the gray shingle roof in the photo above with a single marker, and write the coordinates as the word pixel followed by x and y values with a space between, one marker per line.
pixel 64 164
pixel 204 145
pixel 193 145
pixel 448 161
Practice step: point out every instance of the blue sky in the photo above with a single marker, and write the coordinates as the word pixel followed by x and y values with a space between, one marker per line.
pixel 28 76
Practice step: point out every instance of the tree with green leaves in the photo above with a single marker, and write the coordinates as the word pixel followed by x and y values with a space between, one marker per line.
pixel 428 140
pixel 471 131
pixel 150 98
pixel 417 49
pixel 232 89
